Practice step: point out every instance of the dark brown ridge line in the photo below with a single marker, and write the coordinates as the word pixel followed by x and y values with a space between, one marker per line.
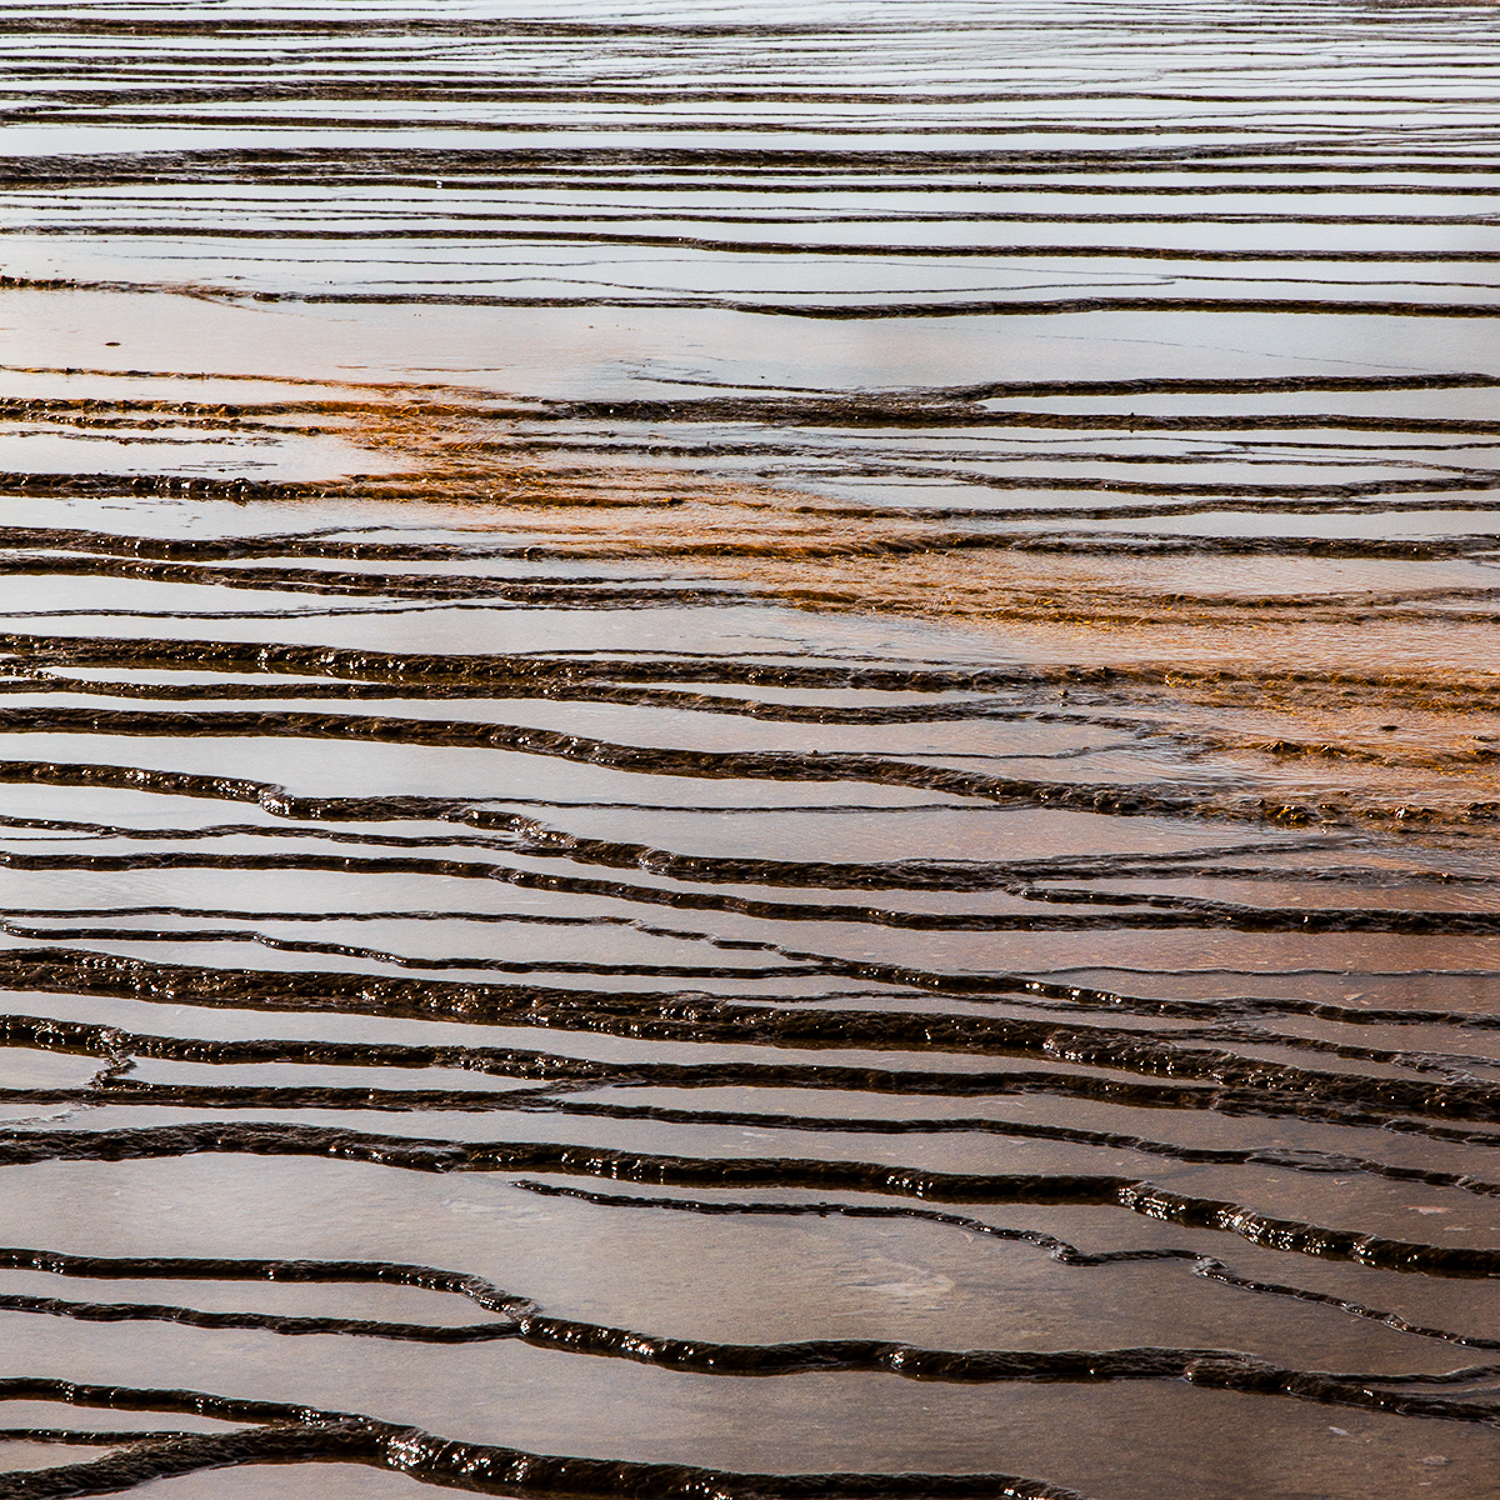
pixel 288 1325
pixel 1035 879
pixel 728 592
pixel 674 213
pixel 1111 910
pixel 183 484
pixel 1013 989
pixel 537 671
pixel 518 834
pixel 386 682
pixel 665 971
pixel 87 1437
pixel 277 802
pixel 558 1073
pixel 1169 510
pixel 534 672
pixel 603 593
pixel 789 444
pixel 31 1147
pixel 523 1321
pixel 1231 913
pixel 91 1039
pixel 855 311
pixel 1112 799
pixel 1210 915
pixel 1144 544
pixel 55 19
pixel 291 1434
pixel 1025 874
pixel 301 1434
pixel 520 739
pixel 413 25
pixel 330 611
pixel 591 1338
pixel 985 391
pixel 319 1272
pixel 688 1017
pixel 849 311
pixel 1132 1094
pixel 1331 128
pixel 998 183
pixel 465 86
pixel 810 1356
pixel 1059 1085
pixel 843 413
pixel 1199 916
pixel 164 1457
pixel 584 234
pixel 537 840
pixel 1057 1249
pixel 561 594
pixel 1289 1159
pixel 478 1469
pixel 364 400
pixel 125 1092
pixel 321 544
pixel 1124 183
pixel 468 87
pixel 52 23
pixel 490 1297
pixel 454 82
pixel 542 671
pixel 1469 480
pixel 733 765
pixel 681 699
pixel 1415 139
pixel 1225 386
pixel 1442 177
pixel 855 411
pixel 678 216
pixel 91 414
pixel 1178 798
pixel 870 174
pixel 1331 122
pixel 423 163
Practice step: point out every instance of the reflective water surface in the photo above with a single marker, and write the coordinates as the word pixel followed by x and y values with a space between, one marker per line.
pixel 750 750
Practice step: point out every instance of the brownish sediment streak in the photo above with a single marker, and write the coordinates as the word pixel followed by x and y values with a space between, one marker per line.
pixel 1257 647
pixel 1254 648
pixel 286 1433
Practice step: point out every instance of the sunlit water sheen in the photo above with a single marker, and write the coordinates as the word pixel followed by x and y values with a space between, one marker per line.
pixel 751 751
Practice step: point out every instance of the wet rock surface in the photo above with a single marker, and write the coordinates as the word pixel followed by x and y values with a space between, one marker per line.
pixel 749 752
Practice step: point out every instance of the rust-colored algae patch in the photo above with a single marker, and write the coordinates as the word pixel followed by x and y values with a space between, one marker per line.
pixel 1352 673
